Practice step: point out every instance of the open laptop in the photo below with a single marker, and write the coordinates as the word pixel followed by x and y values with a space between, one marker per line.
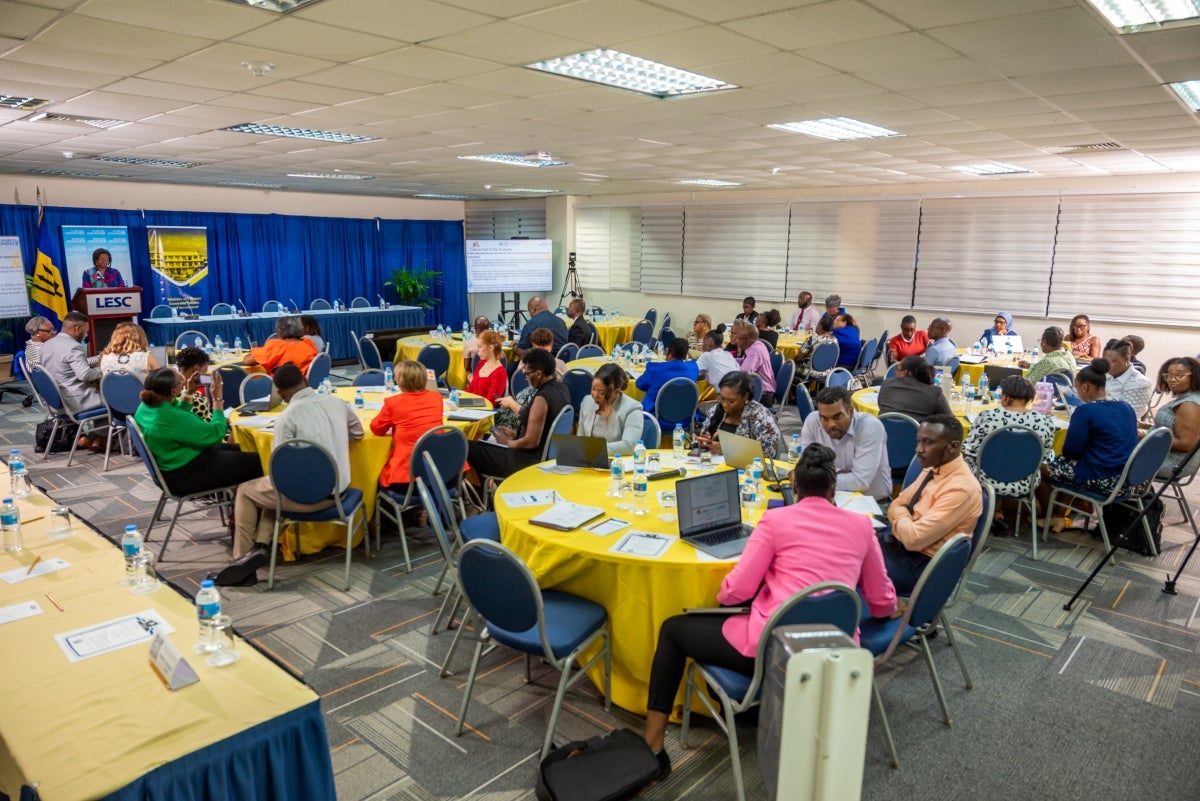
pixel 739 451
pixel 1069 397
pixel 159 352
pixel 272 402
pixel 1008 342
pixel 572 451
pixel 710 514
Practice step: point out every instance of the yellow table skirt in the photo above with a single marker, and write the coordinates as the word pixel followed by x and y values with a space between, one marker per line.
pixel 976 370
pixel 615 332
pixel 367 459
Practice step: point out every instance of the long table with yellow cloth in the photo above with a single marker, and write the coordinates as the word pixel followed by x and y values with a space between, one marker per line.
pixel 456 376
pixel 367 458
pixel 638 593
pixel 867 400
pixel 594 363
pixel 107 726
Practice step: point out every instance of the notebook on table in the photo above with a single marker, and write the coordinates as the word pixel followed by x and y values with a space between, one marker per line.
pixel 572 451
pixel 272 401
pixel 710 516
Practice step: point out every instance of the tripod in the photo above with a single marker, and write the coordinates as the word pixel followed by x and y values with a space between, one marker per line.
pixel 571 285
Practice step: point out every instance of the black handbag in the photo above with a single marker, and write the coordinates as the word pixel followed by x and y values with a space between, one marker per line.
pixel 64 438
pixel 1117 518
pixel 609 767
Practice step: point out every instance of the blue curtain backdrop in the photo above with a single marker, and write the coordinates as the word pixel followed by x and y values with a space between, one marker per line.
pixel 259 257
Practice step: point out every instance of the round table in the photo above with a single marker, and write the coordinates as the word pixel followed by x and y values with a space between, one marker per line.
pixel 456 375
pixel 593 363
pixel 638 593
pixel 367 458
pixel 616 331
pixel 976 370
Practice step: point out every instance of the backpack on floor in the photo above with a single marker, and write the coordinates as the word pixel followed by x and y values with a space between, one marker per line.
pixel 64 438
pixel 610 767
pixel 1117 518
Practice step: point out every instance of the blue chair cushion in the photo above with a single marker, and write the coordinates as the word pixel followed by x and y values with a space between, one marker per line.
pixel 351 500
pixel 480 527
pixel 733 683
pixel 876 635
pixel 569 621
pixel 397 497
pixel 88 414
pixel 1074 490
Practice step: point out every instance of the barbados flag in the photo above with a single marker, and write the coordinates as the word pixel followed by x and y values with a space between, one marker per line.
pixel 48 291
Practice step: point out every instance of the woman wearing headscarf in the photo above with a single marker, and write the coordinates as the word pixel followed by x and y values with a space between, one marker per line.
pixel 1002 327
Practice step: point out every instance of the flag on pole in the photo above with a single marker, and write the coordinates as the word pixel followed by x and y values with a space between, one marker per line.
pixel 48 290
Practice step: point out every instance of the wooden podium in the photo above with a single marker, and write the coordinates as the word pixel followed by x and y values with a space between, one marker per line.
pixel 105 308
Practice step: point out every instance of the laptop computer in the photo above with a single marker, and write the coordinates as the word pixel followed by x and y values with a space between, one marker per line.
pixel 273 401
pixel 159 352
pixel 739 451
pixel 572 451
pixel 1069 397
pixel 1008 342
pixel 710 514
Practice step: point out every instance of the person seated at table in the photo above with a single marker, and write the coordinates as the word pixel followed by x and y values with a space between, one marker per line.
pixel 490 379
pixel 941 348
pixel 471 347
pixel 909 342
pixel 1124 382
pixel 543 339
pixel 765 323
pixel 1084 344
pixel 128 350
pixel 312 331
pixel 821 335
pixel 64 359
pixel 192 363
pixel 191 453
pixel 1138 345
pixel 508 408
pixel 858 440
pixel 1002 326
pixel 1016 393
pixel 40 331
pixel 791 548
pixel 1180 378
pixel 748 314
pixel 1101 435
pixel 805 317
pixel 321 419
pixel 715 362
pixel 845 331
pixel 695 338
pixel 289 346
pixel 737 412
pixel 540 316
pixel 514 450
pixel 944 500
pixel 754 358
pixel 912 391
pixel 406 416
pixel 1055 357
pixel 676 365
pixel 608 412
pixel 579 333
pixel 833 307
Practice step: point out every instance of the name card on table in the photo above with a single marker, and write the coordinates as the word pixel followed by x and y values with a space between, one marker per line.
pixel 172 669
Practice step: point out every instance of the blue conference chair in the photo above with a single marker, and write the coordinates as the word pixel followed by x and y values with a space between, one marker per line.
pixel 368 352
pixel 561 427
pixel 756 386
pixel 665 328
pixel 1014 453
pixel 642 332
pixel 160 311
pixel 901 431
pixel 188 339
pixel 578 381
pixel 232 377
pixel 556 627
pixel 304 472
pixel 255 387
pixel 676 403
pixel 983 527
pixel 651 430
pixel 1059 378
pixel 360 303
pixel 273 307
pixel 652 316
pixel 221 310
pixel 595 339
pixel 121 392
pixel 590 351
pixel 318 370
pixel 568 352
pixel 783 384
pixel 866 356
pixel 804 402
pixel 829 602
pixel 320 304
pixel 824 358
pixel 436 358
pixel 776 360
pixel 838 377
pixel 517 381
pixel 910 475
pixel 883 637
pixel 369 378
pixel 48 391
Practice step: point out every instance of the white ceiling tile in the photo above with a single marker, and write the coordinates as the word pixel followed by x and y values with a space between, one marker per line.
pixel 363 80
pixel 145 88
pixel 113 106
pixel 207 19
pixel 880 53
pixel 260 105
pixel 452 95
pixel 604 21
pixel 515 81
pixel 764 69
pixel 425 62
pixel 15 75
pixel 20 21
pixel 693 48
pixel 91 35
pixel 932 13
pixel 123 64
pixel 967 93
pixel 1165 45
pixel 220 67
pixel 1093 54
pixel 309 93
pixel 1101 116
pixel 825 23
pixel 290 35
pixel 906 77
pixel 813 90
pixel 1181 70
pixel 409 21
pixel 1050 29
pixel 1070 81
pixel 514 45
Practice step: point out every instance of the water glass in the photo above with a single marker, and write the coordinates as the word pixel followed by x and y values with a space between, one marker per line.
pixel 223 653
pixel 706 465
pixel 145 579
pixel 60 523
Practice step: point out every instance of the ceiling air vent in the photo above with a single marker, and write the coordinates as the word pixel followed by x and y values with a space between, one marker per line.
pixel 1099 147
pixel 72 121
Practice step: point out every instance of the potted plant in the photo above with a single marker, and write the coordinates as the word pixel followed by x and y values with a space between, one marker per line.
pixel 414 287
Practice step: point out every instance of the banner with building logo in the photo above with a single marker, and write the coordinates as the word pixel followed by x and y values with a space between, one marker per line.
pixel 179 261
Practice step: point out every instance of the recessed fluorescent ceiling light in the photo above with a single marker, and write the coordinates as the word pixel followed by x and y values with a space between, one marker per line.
pixel 21 103
pixel 443 197
pixel 1190 92
pixel 990 168
pixel 836 128
pixel 255 184
pixel 75 173
pixel 147 162
pixel 1126 14
pixel 537 160
pixel 332 176
pixel 623 71
pixel 299 133
pixel 282 6
pixel 531 191
pixel 710 182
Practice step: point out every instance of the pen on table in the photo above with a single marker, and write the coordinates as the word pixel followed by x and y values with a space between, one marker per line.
pixel 32 520
pixel 51 600
pixel 31 567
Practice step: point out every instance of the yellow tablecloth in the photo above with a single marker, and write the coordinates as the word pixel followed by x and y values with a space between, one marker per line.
pixel 639 594
pixel 593 364
pixel 367 458
pixel 456 375
pixel 615 332
pixel 976 370
pixel 789 344
pixel 84 730
pixel 867 400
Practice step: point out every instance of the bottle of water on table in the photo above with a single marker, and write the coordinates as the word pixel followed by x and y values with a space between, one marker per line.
pixel 219 343
pixel 679 443
pixel 640 486
pixel 466 331
pixel 795 449
pixel 200 343
pixel 131 547
pixel 359 401
pixel 237 343
pixel 639 454
pixel 21 487
pixel 10 521
pixel 454 399
pixel 756 474
pixel 616 476
pixel 208 606
pixel 748 497
pixel 985 396
pixel 388 379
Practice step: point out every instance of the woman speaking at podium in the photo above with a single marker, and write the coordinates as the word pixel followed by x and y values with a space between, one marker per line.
pixel 102 273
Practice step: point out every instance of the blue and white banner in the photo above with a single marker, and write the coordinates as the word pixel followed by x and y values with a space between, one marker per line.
pixel 179 260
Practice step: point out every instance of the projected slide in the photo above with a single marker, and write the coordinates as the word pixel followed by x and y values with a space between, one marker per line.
pixel 509 265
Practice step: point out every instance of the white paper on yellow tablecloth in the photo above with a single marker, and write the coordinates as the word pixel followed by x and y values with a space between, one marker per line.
pixel 19 611
pixel 516 500
pixel 853 502
pixel 609 525
pixel 471 414
pixel 42 568
pixel 643 543
pixel 111 635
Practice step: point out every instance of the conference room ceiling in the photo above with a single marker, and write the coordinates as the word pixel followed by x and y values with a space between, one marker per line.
pixel 1044 85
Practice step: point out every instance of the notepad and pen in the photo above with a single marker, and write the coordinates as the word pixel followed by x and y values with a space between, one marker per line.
pixel 564 516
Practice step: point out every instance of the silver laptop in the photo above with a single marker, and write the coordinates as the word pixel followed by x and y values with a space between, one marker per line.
pixel 1069 397
pixel 710 514
pixel 572 451
pixel 1007 342
pixel 272 402
pixel 739 451
pixel 159 352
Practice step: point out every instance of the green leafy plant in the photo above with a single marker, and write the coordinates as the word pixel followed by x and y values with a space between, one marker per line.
pixel 414 287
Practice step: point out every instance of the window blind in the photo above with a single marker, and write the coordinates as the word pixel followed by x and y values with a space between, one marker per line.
pixel 986 254
pixel 660 249
pixel 491 222
pixel 735 250
pixel 608 244
pixel 1128 257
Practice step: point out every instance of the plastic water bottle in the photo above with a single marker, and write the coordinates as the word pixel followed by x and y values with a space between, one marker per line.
pixel 749 499
pixel 388 379
pixel 659 350
pixel 131 547
pixel 616 354
pixel 679 443
pixel 1034 355
pixel 616 476
pixel 454 399
pixel 208 606
pixel 218 343
pixel 639 454
pixel 466 331
pixel 640 485
pixel 10 521
pixel 968 390
pixel 327 386
pixel 985 396
pixel 795 449
pixel 359 402
pixel 174 312
pixel 200 343
pixel 237 343
pixel 20 475
pixel 756 474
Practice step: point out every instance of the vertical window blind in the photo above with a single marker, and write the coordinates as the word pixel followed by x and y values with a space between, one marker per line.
pixel 493 222
pixel 735 250
pixel 661 249
pixel 608 247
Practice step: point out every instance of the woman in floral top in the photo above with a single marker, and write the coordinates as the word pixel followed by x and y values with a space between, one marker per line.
pixel 193 363
pixel 738 413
